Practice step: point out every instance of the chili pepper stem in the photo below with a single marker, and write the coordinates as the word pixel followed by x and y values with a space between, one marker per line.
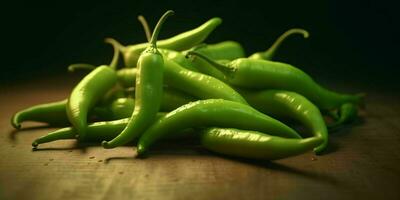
pixel 80 66
pixel 271 51
pixel 220 67
pixel 116 48
pixel 145 26
pixel 157 29
pixel 119 46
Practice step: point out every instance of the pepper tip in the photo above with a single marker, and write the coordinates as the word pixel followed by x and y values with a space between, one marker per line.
pixel 105 145
pixel 35 144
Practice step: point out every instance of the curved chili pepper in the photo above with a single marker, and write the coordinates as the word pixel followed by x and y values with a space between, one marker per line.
pixel 51 113
pixel 212 112
pixel 88 91
pixel 263 74
pixel 253 144
pixel 180 42
pixel 198 85
pixel 148 90
pixel 269 53
pixel 284 104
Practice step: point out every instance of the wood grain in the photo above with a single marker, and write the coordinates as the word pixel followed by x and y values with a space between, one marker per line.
pixel 363 161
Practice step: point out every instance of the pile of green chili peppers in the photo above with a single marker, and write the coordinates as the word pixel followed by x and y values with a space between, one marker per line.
pixel 234 105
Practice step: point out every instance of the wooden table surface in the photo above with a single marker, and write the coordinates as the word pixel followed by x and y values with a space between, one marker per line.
pixel 363 161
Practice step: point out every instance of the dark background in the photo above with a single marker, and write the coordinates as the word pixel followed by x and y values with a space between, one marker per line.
pixel 351 41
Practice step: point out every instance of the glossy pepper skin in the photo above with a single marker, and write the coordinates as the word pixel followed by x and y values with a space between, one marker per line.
pixel 180 42
pixel 89 91
pixel 198 85
pixel 270 53
pixel 290 105
pixel 85 95
pixel 51 113
pixel 212 112
pixel 255 145
pixel 148 91
pixel 263 74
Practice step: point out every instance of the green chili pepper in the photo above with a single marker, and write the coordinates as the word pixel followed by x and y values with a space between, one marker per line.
pixel 212 112
pixel 253 144
pixel 226 50
pixel 347 113
pixel 263 74
pixel 179 42
pixel 87 93
pixel 51 113
pixel 198 85
pixel 148 90
pixel 284 104
pixel 269 54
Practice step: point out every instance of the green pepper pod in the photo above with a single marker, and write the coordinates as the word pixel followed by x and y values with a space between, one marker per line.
pixel 198 85
pixel 148 91
pixel 89 91
pixel 180 42
pixel 85 95
pixel 269 53
pixel 212 112
pixel 284 104
pixel 50 113
pixel 263 74
pixel 255 145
